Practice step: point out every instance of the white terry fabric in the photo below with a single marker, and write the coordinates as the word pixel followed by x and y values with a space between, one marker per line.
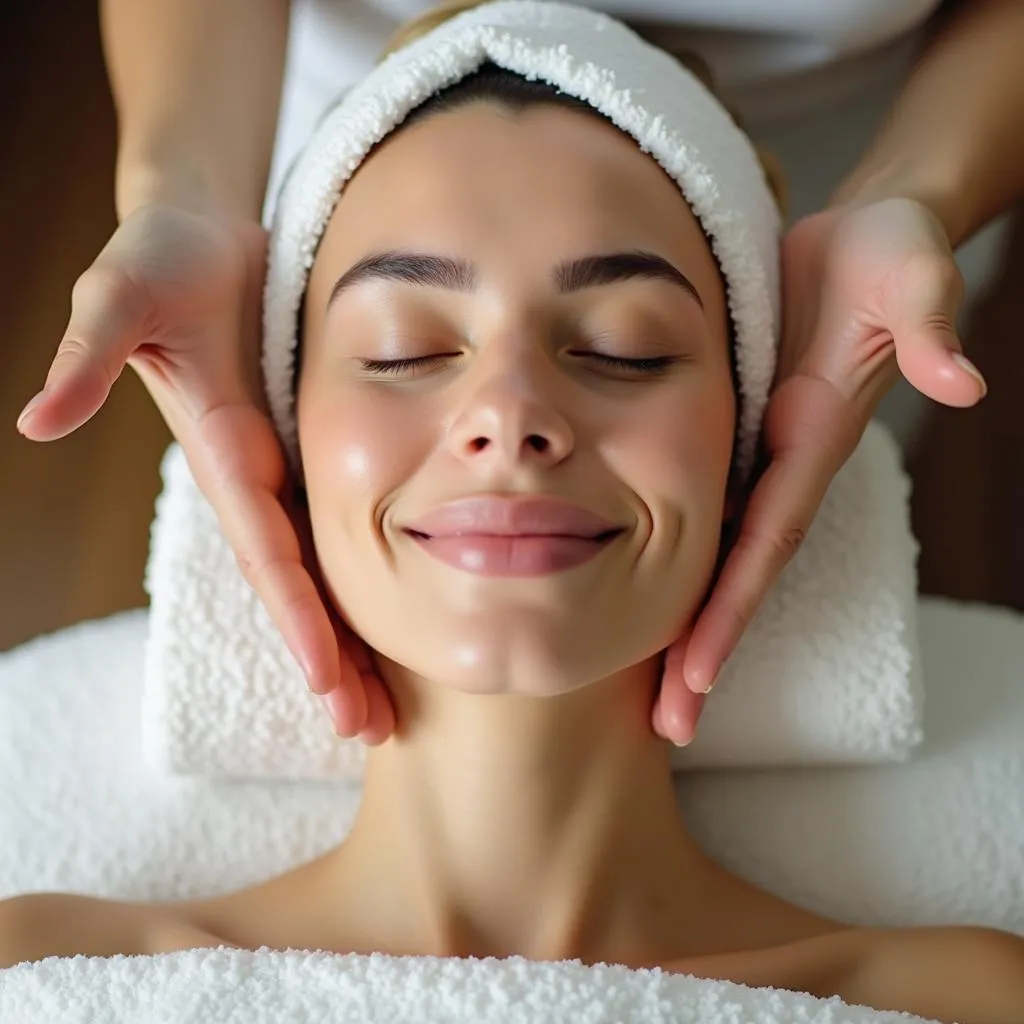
pixel 267 987
pixel 938 840
pixel 827 673
pixel 642 90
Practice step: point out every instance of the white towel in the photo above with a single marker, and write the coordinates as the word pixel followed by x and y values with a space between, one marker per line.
pixel 267 987
pixel 828 673
pixel 939 840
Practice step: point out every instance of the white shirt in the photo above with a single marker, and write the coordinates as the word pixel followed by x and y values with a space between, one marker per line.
pixel 775 61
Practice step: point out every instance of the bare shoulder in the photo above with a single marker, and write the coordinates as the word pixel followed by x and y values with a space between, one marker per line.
pixel 40 925
pixel 50 924
pixel 969 975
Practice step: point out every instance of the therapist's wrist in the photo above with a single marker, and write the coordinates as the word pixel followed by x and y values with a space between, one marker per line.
pixel 938 190
pixel 184 184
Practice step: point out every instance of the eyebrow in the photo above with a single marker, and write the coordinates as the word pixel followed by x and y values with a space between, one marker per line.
pixel 427 270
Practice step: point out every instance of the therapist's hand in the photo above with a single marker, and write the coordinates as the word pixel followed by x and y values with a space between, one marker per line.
pixel 177 296
pixel 868 292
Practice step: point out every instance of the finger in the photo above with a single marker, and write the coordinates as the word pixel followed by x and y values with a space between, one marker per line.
pixel 238 463
pixel 268 555
pixel 379 722
pixel 930 358
pixel 810 429
pixel 656 721
pixel 340 706
pixel 108 320
pixel 777 518
pixel 677 708
pixel 676 714
pixel 930 290
pixel 380 718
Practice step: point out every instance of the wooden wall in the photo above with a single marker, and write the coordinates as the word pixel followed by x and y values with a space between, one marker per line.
pixel 74 514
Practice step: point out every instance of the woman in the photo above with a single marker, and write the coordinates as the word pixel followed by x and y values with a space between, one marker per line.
pixel 176 289
pixel 505 284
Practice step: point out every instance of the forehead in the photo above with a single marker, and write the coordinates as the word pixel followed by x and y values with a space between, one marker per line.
pixel 514 188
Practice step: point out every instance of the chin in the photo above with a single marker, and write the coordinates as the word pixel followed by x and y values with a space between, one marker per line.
pixel 518 654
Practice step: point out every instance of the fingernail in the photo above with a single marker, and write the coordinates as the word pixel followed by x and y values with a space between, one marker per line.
pixel 965 364
pixel 710 686
pixel 29 409
pixel 682 743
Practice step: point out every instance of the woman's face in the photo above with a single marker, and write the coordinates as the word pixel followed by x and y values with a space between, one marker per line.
pixel 515 411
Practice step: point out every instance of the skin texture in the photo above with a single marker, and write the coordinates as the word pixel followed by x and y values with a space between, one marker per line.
pixel 523 805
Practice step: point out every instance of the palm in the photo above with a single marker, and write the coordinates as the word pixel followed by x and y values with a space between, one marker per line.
pixel 177 296
pixel 867 293
pixel 202 283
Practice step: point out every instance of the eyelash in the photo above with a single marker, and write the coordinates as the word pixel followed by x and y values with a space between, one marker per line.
pixel 392 367
pixel 649 365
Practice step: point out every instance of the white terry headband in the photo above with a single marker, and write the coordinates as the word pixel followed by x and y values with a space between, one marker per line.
pixel 645 92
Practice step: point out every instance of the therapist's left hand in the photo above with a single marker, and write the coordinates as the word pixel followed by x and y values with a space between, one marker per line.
pixel 868 292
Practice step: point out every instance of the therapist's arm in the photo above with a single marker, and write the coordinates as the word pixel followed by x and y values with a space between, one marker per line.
pixel 871 289
pixel 955 138
pixel 197 87
pixel 176 291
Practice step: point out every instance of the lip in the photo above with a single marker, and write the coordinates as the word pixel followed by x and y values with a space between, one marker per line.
pixel 523 535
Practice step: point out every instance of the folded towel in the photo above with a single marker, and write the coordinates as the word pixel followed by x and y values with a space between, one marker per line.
pixel 828 672
pixel 938 840
pixel 266 987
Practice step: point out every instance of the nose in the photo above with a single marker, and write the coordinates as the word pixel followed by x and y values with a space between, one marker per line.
pixel 509 417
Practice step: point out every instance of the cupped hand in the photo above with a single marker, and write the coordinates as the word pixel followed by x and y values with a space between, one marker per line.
pixel 868 292
pixel 177 296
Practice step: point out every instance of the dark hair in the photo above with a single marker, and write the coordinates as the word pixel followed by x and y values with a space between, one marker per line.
pixel 491 83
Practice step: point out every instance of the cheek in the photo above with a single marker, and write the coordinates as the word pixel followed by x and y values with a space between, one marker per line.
pixel 676 455
pixel 357 449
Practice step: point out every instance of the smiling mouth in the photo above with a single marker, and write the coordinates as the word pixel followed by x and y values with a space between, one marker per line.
pixel 513 555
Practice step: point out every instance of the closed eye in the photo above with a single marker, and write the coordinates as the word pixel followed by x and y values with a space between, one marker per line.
pixel 648 365
pixel 396 367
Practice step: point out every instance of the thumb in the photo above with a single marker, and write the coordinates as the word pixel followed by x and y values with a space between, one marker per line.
pixel 108 320
pixel 925 305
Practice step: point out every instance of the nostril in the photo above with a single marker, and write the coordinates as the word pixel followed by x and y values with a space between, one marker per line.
pixel 535 442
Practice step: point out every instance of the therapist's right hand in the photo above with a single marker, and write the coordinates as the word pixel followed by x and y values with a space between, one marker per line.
pixel 177 295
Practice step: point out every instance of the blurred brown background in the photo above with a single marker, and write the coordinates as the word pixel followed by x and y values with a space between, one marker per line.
pixel 75 514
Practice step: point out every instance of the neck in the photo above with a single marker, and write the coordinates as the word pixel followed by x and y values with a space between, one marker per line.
pixel 545 827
